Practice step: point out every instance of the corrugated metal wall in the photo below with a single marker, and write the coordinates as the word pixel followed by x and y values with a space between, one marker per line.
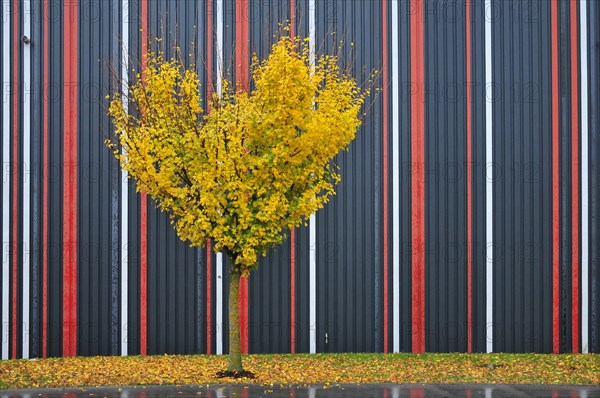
pixel 467 218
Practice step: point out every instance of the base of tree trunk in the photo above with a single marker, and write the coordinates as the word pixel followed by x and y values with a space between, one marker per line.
pixel 235 374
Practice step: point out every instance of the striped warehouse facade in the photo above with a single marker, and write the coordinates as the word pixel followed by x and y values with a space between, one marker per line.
pixel 467 219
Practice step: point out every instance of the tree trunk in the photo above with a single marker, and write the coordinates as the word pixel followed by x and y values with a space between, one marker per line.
pixel 235 358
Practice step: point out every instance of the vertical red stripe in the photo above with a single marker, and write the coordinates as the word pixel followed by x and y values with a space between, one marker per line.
pixel 385 177
pixel 575 177
pixel 45 184
pixel 241 43
pixel 241 73
pixel 15 174
pixel 209 50
pixel 555 183
pixel 144 210
pixel 293 231
pixel 70 97
pixel 469 186
pixel 417 68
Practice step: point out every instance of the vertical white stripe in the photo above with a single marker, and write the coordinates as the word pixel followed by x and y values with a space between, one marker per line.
pixel 26 171
pixel 6 175
pixel 395 179
pixel 489 178
pixel 584 178
pixel 312 231
pixel 312 392
pixel 219 311
pixel 219 46
pixel 312 222
pixel 124 182
pixel 219 280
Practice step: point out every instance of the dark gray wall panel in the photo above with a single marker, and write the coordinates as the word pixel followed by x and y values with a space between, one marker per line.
pixel 522 148
pixel 55 207
pixel 564 77
pixel 405 200
pixel 35 175
pixel 445 199
pixel 17 159
pixel 302 326
pixel 99 40
pixel 173 296
pixel 346 261
pixel 269 286
pixel 350 302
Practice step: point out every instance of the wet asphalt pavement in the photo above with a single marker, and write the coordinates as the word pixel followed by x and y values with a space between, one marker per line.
pixel 344 390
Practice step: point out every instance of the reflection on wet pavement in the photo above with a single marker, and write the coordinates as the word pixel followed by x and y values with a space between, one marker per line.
pixel 345 390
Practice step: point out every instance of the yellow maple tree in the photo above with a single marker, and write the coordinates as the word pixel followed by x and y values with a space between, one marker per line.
pixel 257 164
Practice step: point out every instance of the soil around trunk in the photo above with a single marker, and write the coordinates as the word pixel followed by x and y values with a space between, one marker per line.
pixel 235 374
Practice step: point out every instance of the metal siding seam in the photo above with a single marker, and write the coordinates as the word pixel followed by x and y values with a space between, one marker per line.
pixel 395 180
pixel 35 175
pixel 219 259
pixel 584 178
pixel 209 49
pixel 469 182
pixel 574 180
pixel 417 70
pixel 489 187
pixel 385 176
pixel 45 191
pixel 114 184
pixel 6 69
pixel 293 231
pixel 555 183
pixel 312 223
pixel 199 253
pixel 15 173
pixel 26 178
pixel 199 312
pixel 595 180
pixel 70 98
pixel 144 209
pixel 293 291
pixel 124 177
